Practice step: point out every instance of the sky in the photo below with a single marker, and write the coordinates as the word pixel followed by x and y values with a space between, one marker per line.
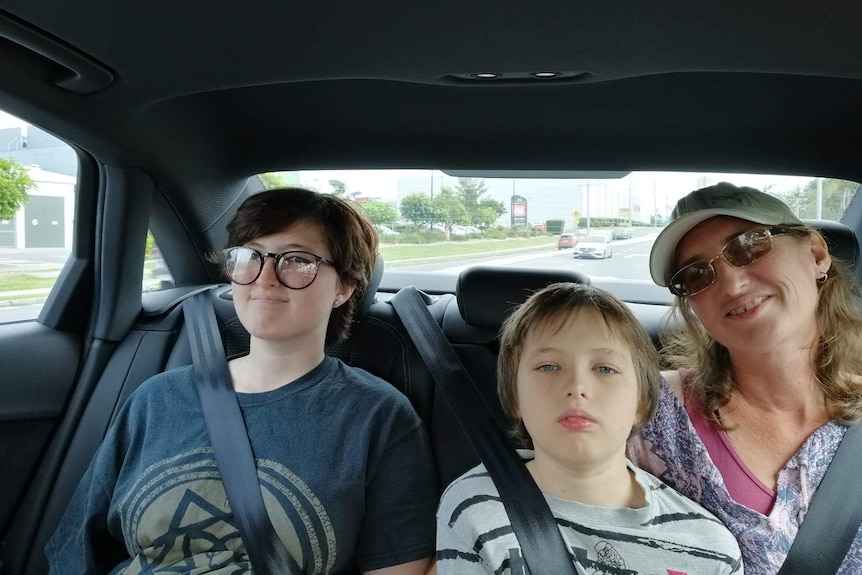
pixel 383 183
pixel 10 121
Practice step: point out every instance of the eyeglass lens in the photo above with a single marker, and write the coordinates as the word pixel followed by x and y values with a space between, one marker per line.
pixel 295 270
pixel 741 251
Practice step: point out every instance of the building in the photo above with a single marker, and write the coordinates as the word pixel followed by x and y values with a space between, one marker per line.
pixel 45 221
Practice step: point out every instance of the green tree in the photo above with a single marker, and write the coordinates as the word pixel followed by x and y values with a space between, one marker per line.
pixel 418 209
pixel 836 195
pixel 272 180
pixel 339 188
pixel 15 185
pixel 380 212
pixel 488 211
pixel 470 192
pixel 449 209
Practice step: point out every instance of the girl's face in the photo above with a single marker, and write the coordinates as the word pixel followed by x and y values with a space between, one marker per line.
pixel 272 312
pixel 578 393
pixel 768 303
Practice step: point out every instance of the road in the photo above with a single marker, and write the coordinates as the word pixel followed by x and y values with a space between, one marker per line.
pixel 629 263
pixel 32 258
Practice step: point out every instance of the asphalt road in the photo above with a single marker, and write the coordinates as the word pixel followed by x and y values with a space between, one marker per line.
pixel 629 263
pixel 32 258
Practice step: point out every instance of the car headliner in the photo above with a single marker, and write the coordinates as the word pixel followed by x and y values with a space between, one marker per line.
pixel 209 92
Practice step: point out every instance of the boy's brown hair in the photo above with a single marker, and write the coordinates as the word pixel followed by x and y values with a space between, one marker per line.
pixel 550 308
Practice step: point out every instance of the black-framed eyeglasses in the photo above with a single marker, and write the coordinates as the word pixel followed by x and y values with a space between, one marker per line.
pixel 744 249
pixel 294 270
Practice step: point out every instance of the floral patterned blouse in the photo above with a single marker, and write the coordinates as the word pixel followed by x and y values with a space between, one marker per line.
pixel 669 448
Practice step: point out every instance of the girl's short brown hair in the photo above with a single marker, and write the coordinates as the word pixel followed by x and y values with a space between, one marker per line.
pixel 351 238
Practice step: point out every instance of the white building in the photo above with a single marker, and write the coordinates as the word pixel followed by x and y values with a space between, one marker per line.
pixel 46 220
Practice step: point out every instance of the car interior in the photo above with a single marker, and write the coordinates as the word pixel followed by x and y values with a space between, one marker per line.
pixel 174 110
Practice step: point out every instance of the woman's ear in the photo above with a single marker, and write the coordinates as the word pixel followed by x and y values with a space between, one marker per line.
pixel 820 253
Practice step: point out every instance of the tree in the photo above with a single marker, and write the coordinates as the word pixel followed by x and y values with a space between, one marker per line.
pixel 449 209
pixel 272 180
pixel 380 212
pixel 339 188
pixel 419 209
pixel 15 185
pixel 836 196
pixel 488 211
pixel 470 192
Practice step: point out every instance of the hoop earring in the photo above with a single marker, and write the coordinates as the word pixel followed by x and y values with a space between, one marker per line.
pixel 822 279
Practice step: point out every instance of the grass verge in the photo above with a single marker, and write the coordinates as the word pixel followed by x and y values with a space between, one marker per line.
pixel 16 281
pixel 396 252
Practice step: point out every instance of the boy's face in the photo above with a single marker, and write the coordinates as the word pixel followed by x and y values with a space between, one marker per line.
pixel 578 393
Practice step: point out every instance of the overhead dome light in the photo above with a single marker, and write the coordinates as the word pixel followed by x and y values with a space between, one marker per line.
pixel 514 77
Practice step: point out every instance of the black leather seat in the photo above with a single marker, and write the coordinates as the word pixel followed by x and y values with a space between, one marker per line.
pixel 842 241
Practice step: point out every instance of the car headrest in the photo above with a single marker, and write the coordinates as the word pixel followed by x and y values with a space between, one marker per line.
pixel 841 240
pixel 486 295
pixel 371 292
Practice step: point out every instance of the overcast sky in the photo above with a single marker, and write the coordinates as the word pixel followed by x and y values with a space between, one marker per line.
pixel 10 121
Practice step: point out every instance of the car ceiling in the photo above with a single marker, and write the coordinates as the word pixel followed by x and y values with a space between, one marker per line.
pixel 210 91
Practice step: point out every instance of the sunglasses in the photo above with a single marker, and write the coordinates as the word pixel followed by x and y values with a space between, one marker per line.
pixel 744 249
pixel 294 270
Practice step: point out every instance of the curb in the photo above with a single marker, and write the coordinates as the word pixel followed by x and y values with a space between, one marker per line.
pixel 21 301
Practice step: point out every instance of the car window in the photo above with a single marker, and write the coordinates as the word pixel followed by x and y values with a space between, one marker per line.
pixel 38 175
pixel 157 276
pixel 519 221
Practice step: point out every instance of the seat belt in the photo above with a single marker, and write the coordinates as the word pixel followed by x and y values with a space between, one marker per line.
pixel 833 518
pixel 542 544
pixel 229 439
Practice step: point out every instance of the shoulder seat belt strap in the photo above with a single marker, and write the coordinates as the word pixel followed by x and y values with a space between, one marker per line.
pixel 834 516
pixel 229 439
pixel 534 525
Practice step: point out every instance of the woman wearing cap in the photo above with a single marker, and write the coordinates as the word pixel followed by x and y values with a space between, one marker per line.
pixel 767 368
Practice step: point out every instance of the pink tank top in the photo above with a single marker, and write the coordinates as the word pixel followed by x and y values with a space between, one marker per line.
pixel 741 483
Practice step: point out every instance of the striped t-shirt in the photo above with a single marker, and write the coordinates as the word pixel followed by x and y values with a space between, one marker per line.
pixel 670 535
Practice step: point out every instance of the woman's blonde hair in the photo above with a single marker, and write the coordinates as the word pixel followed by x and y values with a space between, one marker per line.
pixel 836 358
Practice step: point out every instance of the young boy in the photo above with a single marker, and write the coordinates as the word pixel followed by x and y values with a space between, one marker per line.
pixel 578 375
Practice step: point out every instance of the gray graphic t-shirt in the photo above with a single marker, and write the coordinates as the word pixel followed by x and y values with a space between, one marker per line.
pixel 343 462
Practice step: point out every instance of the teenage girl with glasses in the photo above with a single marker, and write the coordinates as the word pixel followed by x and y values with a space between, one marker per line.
pixel 767 369
pixel 344 462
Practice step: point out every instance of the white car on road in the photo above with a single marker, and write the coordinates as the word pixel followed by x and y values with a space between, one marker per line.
pixel 594 247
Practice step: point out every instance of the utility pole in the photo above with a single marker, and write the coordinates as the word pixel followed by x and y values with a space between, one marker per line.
pixel 818 213
pixel 630 200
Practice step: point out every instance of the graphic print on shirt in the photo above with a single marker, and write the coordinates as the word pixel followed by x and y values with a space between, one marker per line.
pixel 608 560
pixel 188 490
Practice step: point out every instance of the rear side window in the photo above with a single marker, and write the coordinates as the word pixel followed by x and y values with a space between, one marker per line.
pixel 38 176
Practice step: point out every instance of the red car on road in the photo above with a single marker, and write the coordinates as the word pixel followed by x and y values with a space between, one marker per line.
pixel 567 241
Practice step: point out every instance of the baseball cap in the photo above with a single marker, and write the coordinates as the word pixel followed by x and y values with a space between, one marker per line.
pixel 722 199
